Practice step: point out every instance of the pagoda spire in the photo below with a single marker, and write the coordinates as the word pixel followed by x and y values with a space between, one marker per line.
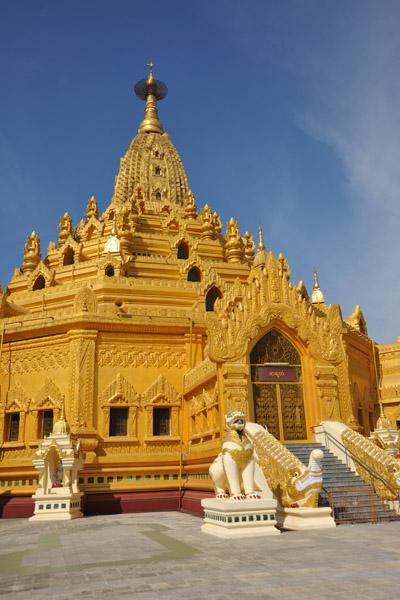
pixel 317 295
pixel 151 90
pixel 261 255
pixel 261 246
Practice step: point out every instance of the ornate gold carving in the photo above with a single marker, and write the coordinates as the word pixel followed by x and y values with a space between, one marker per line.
pixel 35 359
pixel 236 382
pixel 65 229
pixel 81 386
pixel 91 229
pixel 41 270
pixel 207 228
pixel 7 453
pixel 357 321
pixel 85 301
pixel 120 393
pixel 151 447
pixel 290 480
pixel 32 253
pixel 190 206
pixel 17 399
pixel 115 261
pixel 92 209
pixel 249 246
pixel 380 461
pixel 326 379
pixel 142 355
pixel 162 393
pixel 199 374
pixel 234 249
pixel 246 308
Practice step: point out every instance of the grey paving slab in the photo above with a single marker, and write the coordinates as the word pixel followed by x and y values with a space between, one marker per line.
pixel 166 556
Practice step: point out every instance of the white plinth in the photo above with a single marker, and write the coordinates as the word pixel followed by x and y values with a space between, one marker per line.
pixel 60 505
pixel 239 518
pixel 305 518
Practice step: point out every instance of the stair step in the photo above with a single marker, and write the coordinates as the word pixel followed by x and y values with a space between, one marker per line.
pixel 354 505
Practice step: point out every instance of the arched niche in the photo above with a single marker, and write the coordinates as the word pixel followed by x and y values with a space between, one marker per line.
pixel 194 274
pixel 183 251
pixel 69 257
pixel 40 283
pixel 211 297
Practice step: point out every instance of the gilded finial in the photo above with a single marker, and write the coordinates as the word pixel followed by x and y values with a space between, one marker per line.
pixel 114 225
pixel 260 240
pixel 151 90
pixel 261 255
pixel 317 296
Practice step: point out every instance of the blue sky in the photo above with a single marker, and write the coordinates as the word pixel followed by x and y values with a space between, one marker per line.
pixel 285 114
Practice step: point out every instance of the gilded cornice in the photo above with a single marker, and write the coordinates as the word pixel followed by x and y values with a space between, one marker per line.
pixel 268 295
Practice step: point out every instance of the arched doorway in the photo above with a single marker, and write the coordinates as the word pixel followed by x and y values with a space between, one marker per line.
pixel 277 381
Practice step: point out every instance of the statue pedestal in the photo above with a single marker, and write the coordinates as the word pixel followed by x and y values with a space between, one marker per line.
pixel 59 505
pixel 239 518
pixel 305 518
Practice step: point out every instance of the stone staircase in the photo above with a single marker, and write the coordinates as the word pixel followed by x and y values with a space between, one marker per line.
pixel 354 501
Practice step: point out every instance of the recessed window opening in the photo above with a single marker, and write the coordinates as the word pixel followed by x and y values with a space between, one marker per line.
pixel 47 423
pixel 118 421
pixel 13 432
pixel 183 251
pixel 40 283
pixel 158 195
pixel 194 274
pixel 158 171
pixel 69 257
pixel 110 271
pixel 161 419
pixel 211 297
pixel 90 232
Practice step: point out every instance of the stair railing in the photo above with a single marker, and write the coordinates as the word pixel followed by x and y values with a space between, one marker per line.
pixel 373 475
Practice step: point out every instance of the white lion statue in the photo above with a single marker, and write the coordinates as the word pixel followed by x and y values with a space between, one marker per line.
pixel 235 464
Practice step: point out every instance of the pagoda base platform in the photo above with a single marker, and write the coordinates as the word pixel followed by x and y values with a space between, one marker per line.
pixel 305 518
pixel 239 518
pixel 60 505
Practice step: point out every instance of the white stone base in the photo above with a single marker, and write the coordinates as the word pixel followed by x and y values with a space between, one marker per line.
pixel 239 518
pixel 60 505
pixel 305 518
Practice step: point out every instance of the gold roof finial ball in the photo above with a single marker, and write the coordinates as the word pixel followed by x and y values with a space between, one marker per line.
pixel 151 90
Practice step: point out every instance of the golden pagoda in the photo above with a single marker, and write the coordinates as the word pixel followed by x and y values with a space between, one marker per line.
pixel 153 324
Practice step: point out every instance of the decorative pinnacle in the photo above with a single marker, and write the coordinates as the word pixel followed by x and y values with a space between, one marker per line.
pixel 114 225
pixel 151 90
pixel 317 295
pixel 260 241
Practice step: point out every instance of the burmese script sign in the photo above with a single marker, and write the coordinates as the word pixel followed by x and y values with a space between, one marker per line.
pixel 276 373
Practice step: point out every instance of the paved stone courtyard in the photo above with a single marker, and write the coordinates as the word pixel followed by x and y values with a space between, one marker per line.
pixel 166 556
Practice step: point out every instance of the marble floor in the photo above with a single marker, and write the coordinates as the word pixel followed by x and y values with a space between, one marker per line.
pixel 165 556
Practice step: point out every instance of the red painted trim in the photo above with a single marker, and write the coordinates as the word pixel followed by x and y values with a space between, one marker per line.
pixel 12 507
pixel 191 500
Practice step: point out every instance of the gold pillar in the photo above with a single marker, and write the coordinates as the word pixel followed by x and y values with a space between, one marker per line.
pixel 235 378
pixel 326 379
pixel 82 387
